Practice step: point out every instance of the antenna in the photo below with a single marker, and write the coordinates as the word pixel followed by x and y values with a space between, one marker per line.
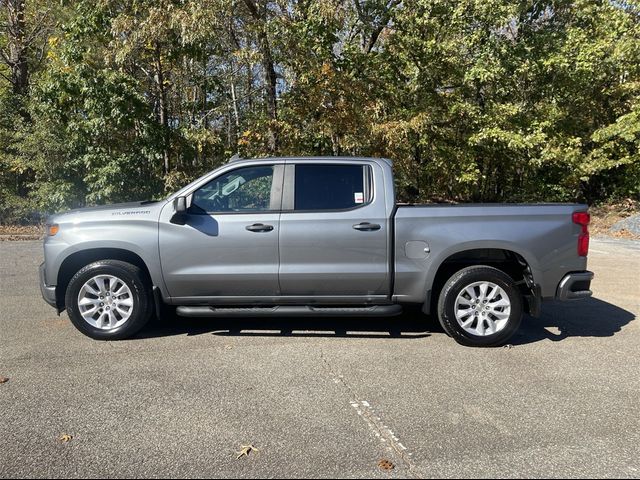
pixel 235 158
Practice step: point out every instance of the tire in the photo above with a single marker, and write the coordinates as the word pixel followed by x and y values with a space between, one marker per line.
pixel 116 317
pixel 488 322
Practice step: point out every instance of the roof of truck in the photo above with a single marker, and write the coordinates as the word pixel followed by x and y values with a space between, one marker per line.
pixel 236 158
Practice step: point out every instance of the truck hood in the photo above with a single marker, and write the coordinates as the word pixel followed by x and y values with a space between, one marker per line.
pixel 140 209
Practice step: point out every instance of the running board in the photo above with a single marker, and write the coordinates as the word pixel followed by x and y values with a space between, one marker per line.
pixel 291 311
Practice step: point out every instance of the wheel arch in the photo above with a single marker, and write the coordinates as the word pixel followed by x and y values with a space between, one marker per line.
pixel 512 261
pixel 75 261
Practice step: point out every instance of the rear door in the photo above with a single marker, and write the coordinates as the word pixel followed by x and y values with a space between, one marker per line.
pixel 333 231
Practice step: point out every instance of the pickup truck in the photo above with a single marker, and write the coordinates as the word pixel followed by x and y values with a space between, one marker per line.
pixel 319 236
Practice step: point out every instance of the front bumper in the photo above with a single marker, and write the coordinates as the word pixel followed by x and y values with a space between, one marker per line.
pixel 575 286
pixel 48 292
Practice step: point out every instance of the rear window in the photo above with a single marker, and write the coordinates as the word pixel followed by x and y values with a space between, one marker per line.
pixel 330 187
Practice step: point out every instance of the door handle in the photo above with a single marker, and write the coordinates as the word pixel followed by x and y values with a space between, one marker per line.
pixel 259 227
pixel 366 226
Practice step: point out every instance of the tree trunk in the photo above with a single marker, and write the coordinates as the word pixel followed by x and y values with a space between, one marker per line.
pixel 270 81
pixel 373 25
pixel 249 87
pixel 163 117
pixel 236 116
pixel 260 17
pixel 17 58
pixel 335 144
pixel 229 127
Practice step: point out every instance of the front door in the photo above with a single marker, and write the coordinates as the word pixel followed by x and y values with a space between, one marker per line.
pixel 229 244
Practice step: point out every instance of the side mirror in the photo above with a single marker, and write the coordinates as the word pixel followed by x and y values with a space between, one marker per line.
pixel 180 207
pixel 180 204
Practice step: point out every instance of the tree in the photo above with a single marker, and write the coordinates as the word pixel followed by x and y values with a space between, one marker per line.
pixel 109 100
pixel 258 11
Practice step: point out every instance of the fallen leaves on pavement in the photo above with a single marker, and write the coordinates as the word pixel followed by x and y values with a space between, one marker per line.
pixel 64 438
pixel 386 465
pixel 245 450
pixel 4 379
pixel 17 232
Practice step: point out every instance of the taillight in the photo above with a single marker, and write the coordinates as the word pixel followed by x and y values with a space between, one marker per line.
pixel 582 219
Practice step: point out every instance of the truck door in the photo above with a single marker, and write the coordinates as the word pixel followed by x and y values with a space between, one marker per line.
pixel 229 244
pixel 334 231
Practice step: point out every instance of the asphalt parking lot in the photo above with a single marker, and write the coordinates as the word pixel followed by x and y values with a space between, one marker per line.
pixel 325 397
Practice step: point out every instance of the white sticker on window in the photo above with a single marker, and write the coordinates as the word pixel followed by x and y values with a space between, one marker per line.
pixel 359 197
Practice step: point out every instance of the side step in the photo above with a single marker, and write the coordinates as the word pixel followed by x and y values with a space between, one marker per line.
pixel 290 311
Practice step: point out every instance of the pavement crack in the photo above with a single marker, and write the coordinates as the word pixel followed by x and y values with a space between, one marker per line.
pixel 365 410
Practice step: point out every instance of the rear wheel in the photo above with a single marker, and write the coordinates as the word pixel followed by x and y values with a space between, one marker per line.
pixel 109 300
pixel 480 306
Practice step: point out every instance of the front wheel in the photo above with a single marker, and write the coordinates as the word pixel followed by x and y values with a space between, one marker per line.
pixel 480 306
pixel 108 300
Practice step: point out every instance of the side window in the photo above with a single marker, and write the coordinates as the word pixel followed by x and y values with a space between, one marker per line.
pixel 330 187
pixel 244 190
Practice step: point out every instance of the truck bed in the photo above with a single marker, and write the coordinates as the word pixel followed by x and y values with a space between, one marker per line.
pixel 543 234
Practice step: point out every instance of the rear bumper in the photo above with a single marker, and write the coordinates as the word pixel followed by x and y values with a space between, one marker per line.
pixel 48 292
pixel 574 286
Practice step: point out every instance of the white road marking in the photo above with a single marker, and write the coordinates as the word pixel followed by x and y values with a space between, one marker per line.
pixel 380 430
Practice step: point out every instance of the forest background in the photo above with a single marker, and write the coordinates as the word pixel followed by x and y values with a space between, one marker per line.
pixel 474 100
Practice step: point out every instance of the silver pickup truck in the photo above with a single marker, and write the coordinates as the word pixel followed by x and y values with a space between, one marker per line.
pixel 312 237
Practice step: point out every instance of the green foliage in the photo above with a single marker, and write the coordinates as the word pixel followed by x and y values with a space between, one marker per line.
pixel 474 101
